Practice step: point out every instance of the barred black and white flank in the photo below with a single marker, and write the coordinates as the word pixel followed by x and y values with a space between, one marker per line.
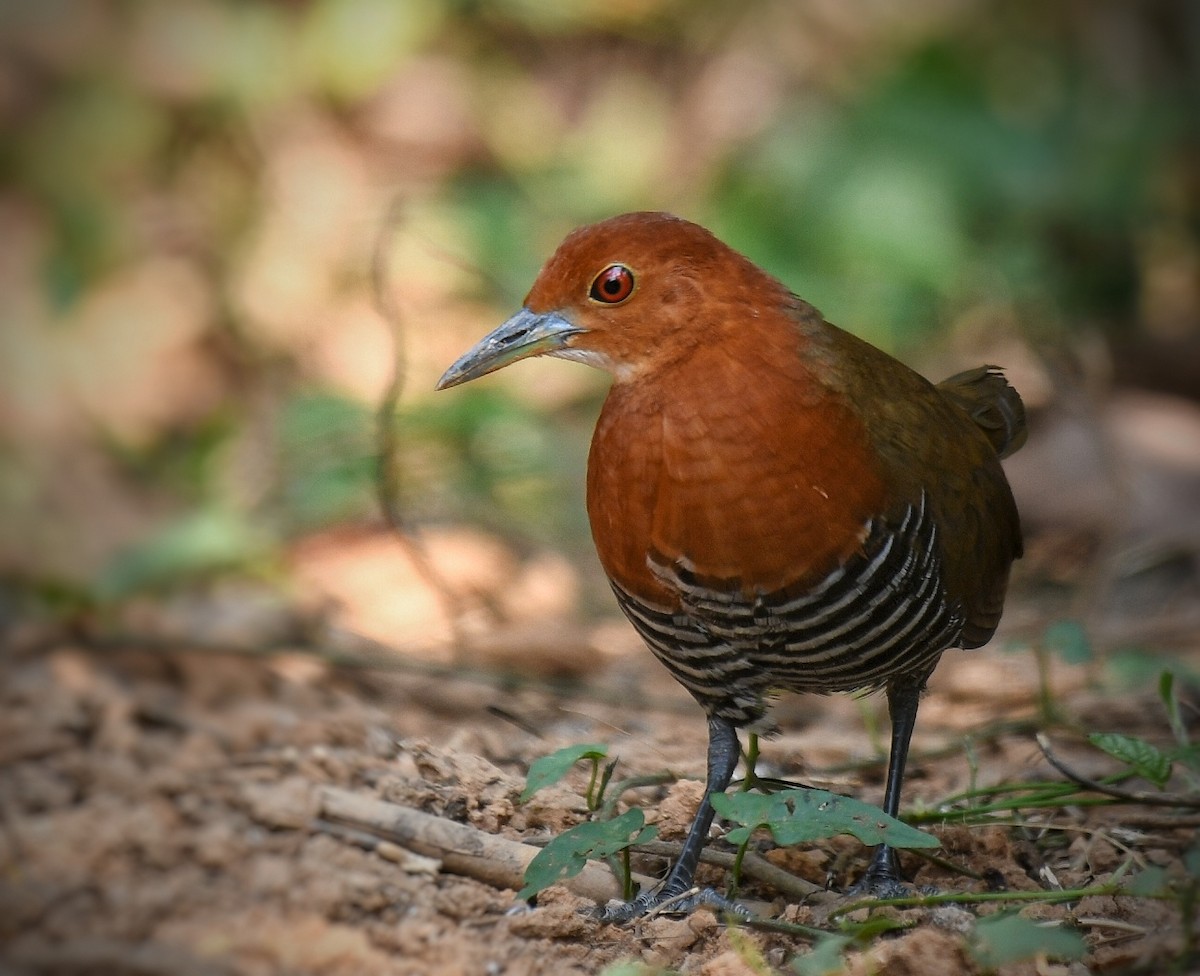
pixel 882 613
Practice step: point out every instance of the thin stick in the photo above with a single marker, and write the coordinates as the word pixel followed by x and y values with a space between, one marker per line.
pixel 461 848
pixel 791 886
pixel 1129 796
pixel 387 481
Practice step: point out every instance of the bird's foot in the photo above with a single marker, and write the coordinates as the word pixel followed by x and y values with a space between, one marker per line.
pixel 884 880
pixel 662 901
pixel 880 886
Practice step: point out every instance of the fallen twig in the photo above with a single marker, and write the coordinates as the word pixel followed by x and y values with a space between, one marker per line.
pixel 791 886
pixel 500 862
pixel 1130 796
pixel 1151 821
pixel 461 848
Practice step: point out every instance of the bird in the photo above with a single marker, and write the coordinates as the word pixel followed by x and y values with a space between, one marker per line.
pixel 779 506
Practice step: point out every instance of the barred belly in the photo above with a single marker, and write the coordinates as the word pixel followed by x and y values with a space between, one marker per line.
pixel 881 614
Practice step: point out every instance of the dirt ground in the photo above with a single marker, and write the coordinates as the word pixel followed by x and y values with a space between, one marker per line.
pixel 163 813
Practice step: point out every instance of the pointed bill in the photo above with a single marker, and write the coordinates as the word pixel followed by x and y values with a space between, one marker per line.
pixel 526 334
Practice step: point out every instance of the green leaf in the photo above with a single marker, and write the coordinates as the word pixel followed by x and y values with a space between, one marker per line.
pixel 550 769
pixel 565 856
pixel 1166 691
pixel 1150 883
pixel 1069 640
pixel 1147 761
pixel 825 958
pixel 1003 939
pixel 794 816
pixel 1188 755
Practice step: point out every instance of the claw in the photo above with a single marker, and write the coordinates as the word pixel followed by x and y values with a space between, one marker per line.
pixel 879 887
pixel 661 902
pixel 884 880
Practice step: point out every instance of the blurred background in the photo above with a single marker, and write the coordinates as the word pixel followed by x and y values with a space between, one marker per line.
pixel 228 228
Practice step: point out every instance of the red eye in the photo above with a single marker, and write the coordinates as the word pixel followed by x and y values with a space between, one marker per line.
pixel 612 285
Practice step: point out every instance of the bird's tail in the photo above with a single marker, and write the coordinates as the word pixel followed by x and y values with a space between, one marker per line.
pixel 995 407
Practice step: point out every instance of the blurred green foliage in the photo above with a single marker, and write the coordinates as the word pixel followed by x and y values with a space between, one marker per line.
pixel 926 195
pixel 500 464
pixel 327 461
pixel 905 170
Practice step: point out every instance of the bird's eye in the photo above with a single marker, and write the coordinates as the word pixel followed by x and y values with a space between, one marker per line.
pixel 612 285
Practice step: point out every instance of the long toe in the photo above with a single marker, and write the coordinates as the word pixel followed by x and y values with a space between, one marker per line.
pixel 656 902
pixel 882 878
pixel 879 886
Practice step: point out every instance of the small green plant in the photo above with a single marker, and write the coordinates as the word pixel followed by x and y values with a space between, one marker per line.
pixel 798 815
pixel 548 770
pixel 1007 938
pixel 565 856
pixel 1170 700
pixel 1186 752
pixel 1147 760
pixel 602 839
pixel 792 816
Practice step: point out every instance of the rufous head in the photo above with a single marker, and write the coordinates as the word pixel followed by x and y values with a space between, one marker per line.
pixel 624 295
